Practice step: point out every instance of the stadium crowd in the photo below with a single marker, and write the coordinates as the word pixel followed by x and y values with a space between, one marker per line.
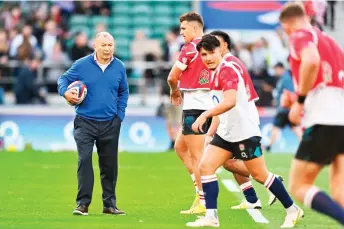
pixel 36 33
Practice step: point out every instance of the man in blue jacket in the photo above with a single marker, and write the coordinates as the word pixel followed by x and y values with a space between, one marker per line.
pixel 98 119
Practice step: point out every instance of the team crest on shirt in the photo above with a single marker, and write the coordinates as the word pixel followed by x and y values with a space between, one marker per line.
pixel 204 77
pixel 241 147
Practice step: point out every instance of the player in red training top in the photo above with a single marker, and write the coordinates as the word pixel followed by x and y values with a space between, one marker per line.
pixel 317 65
pixel 238 134
pixel 193 77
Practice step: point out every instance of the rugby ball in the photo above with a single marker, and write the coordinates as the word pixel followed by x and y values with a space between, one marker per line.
pixel 81 90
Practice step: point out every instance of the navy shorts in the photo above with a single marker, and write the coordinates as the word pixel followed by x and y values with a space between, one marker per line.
pixel 245 150
pixel 282 120
pixel 321 144
pixel 189 117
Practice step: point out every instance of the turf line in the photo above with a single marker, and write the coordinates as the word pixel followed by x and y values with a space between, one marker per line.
pixel 256 215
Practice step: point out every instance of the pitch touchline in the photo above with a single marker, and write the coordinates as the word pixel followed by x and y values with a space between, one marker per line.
pixel 256 215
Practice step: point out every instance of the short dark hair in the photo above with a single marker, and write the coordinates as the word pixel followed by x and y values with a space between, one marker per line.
pixel 192 16
pixel 279 65
pixel 226 38
pixel 292 10
pixel 209 43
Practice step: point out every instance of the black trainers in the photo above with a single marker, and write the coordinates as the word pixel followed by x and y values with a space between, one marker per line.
pixel 113 211
pixel 81 210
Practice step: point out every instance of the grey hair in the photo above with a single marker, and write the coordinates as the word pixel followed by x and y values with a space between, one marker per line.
pixel 104 34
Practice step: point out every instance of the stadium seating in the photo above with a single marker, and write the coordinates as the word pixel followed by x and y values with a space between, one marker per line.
pixel 156 18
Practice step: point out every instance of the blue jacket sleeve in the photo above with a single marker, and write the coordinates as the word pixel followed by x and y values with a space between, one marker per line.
pixel 123 95
pixel 67 78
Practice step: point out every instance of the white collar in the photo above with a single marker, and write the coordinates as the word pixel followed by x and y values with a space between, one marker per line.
pixel 227 55
pixel 95 59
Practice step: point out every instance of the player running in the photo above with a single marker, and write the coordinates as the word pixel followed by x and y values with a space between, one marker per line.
pixel 237 167
pixel 193 77
pixel 317 65
pixel 238 133
pixel 285 83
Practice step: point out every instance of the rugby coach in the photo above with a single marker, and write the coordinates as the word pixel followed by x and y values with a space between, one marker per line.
pixel 98 119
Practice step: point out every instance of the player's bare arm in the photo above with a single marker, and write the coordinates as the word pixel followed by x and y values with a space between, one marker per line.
pixel 310 62
pixel 175 94
pixel 212 129
pixel 224 106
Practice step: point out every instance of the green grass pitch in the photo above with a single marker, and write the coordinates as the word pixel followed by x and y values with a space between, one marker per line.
pixel 37 190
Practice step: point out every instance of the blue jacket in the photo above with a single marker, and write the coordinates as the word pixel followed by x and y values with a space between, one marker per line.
pixel 107 92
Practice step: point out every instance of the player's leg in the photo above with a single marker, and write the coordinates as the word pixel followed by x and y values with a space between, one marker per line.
pixel 195 143
pixel 239 170
pixel 275 132
pixel 236 166
pixel 337 179
pixel 251 200
pixel 317 148
pixel 183 153
pixel 250 151
pixel 280 121
pixel 213 158
pixel 241 175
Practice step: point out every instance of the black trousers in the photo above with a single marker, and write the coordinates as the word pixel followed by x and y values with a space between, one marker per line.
pixel 105 135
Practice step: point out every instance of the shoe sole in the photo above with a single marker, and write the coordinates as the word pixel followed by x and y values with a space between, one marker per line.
pixel 113 214
pixel 79 213
pixel 190 225
pixel 258 208
pixel 192 213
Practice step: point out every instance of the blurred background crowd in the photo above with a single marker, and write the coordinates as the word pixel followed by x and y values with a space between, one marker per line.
pixel 39 41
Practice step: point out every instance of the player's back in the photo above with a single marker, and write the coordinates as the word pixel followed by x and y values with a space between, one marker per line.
pixel 325 102
pixel 242 121
pixel 194 80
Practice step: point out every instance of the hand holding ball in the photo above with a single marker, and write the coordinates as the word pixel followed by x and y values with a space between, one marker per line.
pixel 76 93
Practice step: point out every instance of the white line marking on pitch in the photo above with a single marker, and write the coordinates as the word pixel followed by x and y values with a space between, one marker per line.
pixel 256 215
pixel 230 185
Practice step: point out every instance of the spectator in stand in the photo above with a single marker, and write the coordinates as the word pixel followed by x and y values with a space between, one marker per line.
pixel 55 14
pixel 100 8
pixel 101 27
pixel 57 60
pixel 259 55
pixel 330 10
pixel 80 47
pixel 26 92
pixel 171 45
pixel 315 10
pixel 11 18
pixel 18 40
pixel 49 37
pixel 244 55
pixel 4 48
pixel 38 22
